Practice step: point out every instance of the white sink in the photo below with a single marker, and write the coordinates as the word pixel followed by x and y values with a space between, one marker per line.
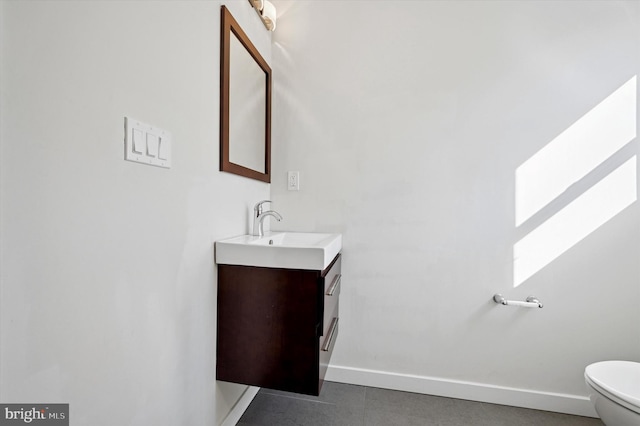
pixel 291 250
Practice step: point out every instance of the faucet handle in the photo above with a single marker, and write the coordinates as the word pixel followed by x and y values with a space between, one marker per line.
pixel 258 207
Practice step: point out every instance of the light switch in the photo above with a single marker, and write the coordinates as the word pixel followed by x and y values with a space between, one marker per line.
pixel 163 149
pixel 152 145
pixel 147 144
pixel 138 141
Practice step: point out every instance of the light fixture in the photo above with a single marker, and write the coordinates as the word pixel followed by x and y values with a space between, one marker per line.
pixel 267 12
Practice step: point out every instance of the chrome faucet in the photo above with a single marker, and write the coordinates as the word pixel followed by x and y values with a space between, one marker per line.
pixel 258 218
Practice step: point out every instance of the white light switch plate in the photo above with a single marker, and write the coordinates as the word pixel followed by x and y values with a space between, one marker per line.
pixel 146 144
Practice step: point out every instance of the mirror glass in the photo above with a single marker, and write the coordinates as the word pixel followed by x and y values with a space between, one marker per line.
pixel 247 108
pixel 245 105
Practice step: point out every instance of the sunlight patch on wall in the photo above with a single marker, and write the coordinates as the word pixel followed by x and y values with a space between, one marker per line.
pixel 577 151
pixel 582 216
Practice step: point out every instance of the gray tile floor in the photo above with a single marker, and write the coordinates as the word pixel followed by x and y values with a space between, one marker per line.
pixel 341 404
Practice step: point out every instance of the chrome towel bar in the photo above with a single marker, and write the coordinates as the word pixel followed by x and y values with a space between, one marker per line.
pixel 530 302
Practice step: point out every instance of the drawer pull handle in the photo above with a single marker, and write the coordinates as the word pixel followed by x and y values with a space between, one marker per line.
pixel 332 332
pixel 334 285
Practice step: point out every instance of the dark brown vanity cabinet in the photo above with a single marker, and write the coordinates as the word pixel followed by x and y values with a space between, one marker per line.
pixel 277 327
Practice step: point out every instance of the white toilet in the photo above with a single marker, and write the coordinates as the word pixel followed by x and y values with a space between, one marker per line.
pixel 614 388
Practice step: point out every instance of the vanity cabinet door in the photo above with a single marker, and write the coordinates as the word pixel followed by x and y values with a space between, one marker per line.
pixel 266 327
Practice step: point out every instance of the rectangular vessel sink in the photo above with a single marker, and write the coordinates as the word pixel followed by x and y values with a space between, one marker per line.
pixel 290 250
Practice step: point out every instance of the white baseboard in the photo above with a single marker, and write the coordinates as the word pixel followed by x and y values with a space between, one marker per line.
pixel 547 401
pixel 241 406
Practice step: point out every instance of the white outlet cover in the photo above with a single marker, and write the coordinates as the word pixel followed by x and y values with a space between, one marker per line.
pixel 293 181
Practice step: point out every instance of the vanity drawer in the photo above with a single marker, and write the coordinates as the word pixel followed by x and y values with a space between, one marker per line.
pixel 327 344
pixel 332 283
pixel 330 318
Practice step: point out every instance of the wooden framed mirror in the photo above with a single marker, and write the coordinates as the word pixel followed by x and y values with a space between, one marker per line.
pixel 245 104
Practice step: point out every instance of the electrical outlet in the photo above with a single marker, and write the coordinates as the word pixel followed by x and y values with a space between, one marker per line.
pixel 293 181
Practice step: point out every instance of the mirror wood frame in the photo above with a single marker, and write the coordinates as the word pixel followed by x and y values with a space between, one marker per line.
pixel 230 26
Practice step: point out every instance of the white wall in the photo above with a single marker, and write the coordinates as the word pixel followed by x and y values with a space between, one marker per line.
pixel 108 295
pixel 407 121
